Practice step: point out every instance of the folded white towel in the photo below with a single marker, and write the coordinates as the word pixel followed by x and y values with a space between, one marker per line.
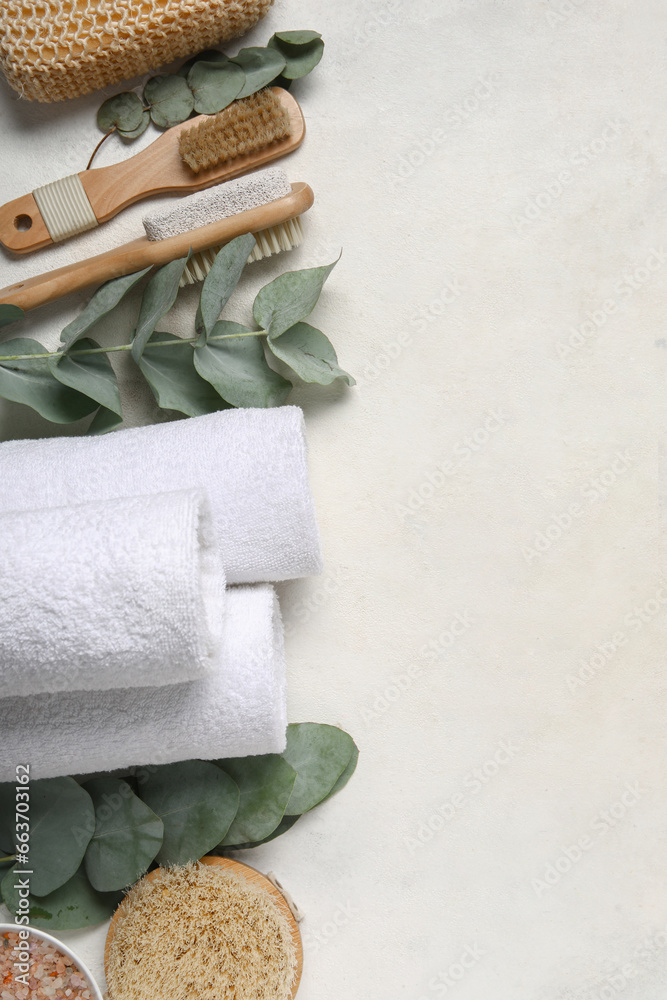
pixel 237 712
pixel 118 593
pixel 251 462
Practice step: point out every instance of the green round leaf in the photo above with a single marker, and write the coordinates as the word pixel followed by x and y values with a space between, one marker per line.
pixel 215 85
pixel 62 821
pixel 286 823
pixel 237 368
pixel 309 354
pixel 127 835
pixel 209 55
pixel 170 100
pixel 260 65
pixel 139 130
pixel 174 381
pixel 265 783
pixel 74 905
pixel 346 775
pixel 289 298
pixel 300 57
pixel 297 38
pixel 7 816
pixel 32 383
pixel 197 802
pixel 9 314
pixel 122 111
pixel 319 754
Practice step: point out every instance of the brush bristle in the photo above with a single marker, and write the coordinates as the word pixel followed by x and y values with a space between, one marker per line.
pixel 244 126
pixel 285 236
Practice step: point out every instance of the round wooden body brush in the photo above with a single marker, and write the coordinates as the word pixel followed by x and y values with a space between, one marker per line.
pixel 194 155
pixel 214 928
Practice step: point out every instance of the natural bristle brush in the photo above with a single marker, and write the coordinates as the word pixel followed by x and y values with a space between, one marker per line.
pixel 194 155
pixel 264 204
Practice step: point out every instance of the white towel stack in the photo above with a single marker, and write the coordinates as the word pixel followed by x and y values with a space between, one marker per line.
pixel 120 643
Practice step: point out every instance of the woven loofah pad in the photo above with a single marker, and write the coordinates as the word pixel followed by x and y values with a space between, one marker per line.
pixel 51 51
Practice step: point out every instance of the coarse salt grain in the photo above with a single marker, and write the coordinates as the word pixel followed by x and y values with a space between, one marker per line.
pixel 52 975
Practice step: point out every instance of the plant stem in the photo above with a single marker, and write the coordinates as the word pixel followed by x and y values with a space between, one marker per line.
pixel 128 347
pixel 10 857
pixel 105 136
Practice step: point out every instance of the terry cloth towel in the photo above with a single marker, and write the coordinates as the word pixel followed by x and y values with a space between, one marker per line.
pixel 251 462
pixel 119 593
pixel 236 712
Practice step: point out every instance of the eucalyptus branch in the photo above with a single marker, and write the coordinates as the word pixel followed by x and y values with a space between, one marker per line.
pixel 128 347
pixel 227 363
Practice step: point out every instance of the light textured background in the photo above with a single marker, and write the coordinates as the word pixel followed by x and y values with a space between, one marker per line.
pixel 488 495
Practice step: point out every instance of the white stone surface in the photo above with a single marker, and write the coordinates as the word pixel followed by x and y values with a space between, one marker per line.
pixel 495 175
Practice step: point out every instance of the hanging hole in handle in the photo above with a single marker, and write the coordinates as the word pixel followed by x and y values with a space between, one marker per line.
pixel 23 223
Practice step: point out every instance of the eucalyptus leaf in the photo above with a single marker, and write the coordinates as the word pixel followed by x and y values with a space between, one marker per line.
pixel 237 368
pixel 176 385
pixel 7 816
pixel 122 111
pixel 197 802
pixel 302 51
pixel 134 133
pixel 127 835
pixel 158 298
pixel 9 313
pixel 286 823
pixel 297 38
pixel 319 754
pixel 103 301
pixel 260 65
pixel 32 383
pixel 309 354
pixel 289 298
pixel 209 55
pixel 62 820
pixel 91 374
pixel 103 422
pixel 170 100
pixel 221 281
pixel 265 783
pixel 72 906
pixel 215 85
pixel 346 775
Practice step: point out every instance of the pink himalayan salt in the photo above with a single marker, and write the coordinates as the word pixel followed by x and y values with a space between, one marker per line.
pixel 53 976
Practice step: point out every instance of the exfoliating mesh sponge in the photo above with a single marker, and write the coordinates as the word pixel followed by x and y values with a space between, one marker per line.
pixel 51 50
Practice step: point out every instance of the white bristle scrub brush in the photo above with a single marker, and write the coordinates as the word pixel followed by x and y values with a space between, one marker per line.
pixel 201 223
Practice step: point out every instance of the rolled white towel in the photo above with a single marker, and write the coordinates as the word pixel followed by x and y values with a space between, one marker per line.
pixel 118 593
pixel 236 712
pixel 251 462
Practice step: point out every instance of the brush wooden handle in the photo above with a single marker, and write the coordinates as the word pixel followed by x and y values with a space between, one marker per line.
pixel 158 169
pixel 143 252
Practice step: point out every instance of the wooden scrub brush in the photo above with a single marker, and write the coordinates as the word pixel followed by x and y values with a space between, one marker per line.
pixel 264 204
pixel 194 155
